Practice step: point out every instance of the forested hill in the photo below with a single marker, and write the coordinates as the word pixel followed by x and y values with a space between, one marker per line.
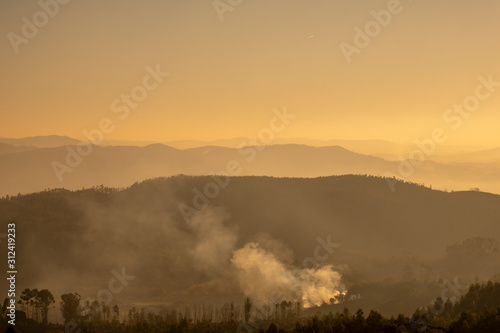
pixel 89 232
pixel 360 212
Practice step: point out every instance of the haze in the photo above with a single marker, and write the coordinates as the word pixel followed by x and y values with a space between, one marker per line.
pixel 226 76
pixel 282 166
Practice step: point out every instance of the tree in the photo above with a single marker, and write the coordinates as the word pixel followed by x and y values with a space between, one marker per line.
pixel 95 310
pixel 116 311
pixel 272 329
pixel 28 301
pixel 105 311
pixel 69 306
pixel 44 299
pixel 473 250
pixel 248 307
pixel 6 302
pixel 375 321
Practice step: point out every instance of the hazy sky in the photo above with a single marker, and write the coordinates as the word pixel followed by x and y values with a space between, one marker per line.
pixel 227 76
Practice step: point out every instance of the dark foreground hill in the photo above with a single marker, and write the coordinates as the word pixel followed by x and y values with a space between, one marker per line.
pixel 71 241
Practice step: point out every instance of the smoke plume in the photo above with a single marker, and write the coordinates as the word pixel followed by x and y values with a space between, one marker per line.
pixel 261 276
pixel 262 269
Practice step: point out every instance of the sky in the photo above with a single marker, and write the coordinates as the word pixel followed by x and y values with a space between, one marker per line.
pixel 229 67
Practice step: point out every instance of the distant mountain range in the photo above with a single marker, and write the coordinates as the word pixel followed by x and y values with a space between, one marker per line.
pixel 7 148
pixel 48 141
pixel 380 148
pixel 26 168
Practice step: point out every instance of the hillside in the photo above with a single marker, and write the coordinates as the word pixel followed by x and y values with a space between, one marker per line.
pixel 81 236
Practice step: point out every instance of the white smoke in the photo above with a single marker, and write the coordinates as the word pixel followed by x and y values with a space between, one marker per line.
pixel 319 286
pixel 260 274
pixel 262 270
pixel 214 242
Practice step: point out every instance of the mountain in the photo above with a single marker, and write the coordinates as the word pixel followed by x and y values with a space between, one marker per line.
pixel 489 156
pixel 33 171
pixel 381 148
pixel 8 149
pixel 127 143
pixel 369 147
pixel 119 166
pixel 368 234
pixel 48 141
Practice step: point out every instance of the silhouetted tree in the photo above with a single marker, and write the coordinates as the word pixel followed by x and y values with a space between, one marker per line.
pixel 44 299
pixel 248 308
pixel 116 312
pixel 5 305
pixel 27 301
pixel 69 306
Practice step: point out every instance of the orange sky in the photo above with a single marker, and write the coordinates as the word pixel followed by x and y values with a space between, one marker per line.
pixel 227 76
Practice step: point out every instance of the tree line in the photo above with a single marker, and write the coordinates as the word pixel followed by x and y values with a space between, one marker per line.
pixel 478 310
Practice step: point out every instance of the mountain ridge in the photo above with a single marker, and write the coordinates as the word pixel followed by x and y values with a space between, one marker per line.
pixel 34 170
